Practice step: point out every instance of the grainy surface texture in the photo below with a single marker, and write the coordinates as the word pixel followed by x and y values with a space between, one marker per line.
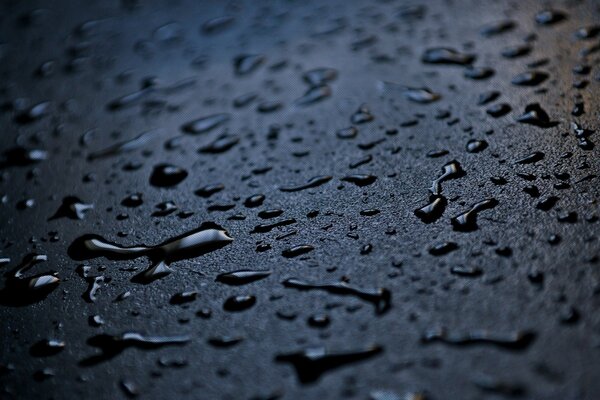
pixel 410 189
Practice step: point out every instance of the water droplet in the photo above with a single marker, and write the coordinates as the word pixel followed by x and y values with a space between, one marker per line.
pixel 432 211
pixel 531 158
pixel 588 32
pixel 529 78
pixel 362 115
pixel 183 297
pixel 444 55
pixel 133 200
pixel 421 95
pixel 479 73
pixel 205 124
pixel 217 24
pixel 347 133
pixel 209 190
pixel 312 183
pixel 297 251
pixel 360 180
pixel 225 341
pixel 220 145
pixel 476 146
pixel 167 175
pixel 268 214
pixel 21 290
pixel 311 363
pixel 242 276
pixel 247 63
pixel 488 97
pixel 239 303
pixel 444 248
pixel 47 348
pixel 550 17
pixel 516 51
pixel 72 207
pixel 314 95
pixel 498 27
pixel 20 156
pixel 535 115
pixel 254 201
pixel 319 321
pixel 468 272
pixel 263 228
pixel 33 113
pixel 518 340
pixel 319 76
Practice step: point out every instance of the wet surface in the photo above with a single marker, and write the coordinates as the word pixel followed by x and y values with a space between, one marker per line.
pixel 300 200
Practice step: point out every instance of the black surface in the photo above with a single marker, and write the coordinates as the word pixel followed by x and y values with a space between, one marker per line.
pixel 536 296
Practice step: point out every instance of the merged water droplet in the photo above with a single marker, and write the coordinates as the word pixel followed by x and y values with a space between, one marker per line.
pixel 206 238
pixel 381 298
pixel 113 345
pixel 467 221
pixel 450 170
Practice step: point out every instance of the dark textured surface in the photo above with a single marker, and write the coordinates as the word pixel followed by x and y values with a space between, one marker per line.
pixel 367 43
